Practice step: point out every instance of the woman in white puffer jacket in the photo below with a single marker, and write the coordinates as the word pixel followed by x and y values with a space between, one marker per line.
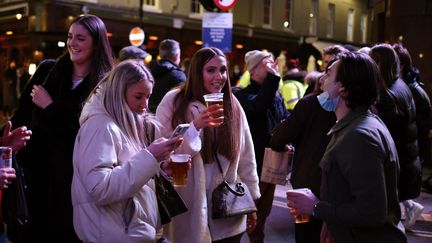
pixel 113 193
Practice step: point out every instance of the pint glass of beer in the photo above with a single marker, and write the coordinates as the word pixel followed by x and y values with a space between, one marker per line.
pixel 214 99
pixel 179 166
pixel 300 218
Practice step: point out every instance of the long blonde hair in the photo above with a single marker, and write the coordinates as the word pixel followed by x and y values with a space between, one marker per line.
pixel 133 125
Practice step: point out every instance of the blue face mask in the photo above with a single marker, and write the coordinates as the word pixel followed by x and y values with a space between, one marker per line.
pixel 327 103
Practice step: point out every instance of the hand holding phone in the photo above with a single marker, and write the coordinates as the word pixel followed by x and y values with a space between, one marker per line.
pixel 180 130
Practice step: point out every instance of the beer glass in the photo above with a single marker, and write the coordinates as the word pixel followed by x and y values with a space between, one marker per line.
pixel 213 99
pixel 301 218
pixel 5 157
pixel 179 166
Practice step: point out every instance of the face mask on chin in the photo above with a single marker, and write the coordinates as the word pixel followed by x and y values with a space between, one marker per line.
pixel 327 103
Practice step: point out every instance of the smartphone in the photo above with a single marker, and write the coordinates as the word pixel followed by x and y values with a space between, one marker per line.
pixel 180 129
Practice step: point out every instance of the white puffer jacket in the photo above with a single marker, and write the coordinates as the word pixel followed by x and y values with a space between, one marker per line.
pixel 113 193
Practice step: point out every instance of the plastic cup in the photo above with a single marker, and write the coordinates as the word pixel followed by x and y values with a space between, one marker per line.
pixel 301 218
pixel 5 157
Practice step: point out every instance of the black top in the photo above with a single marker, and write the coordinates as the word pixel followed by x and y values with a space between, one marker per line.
pixel 306 128
pixel 167 76
pixel 47 158
pixel 397 109
pixel 264 109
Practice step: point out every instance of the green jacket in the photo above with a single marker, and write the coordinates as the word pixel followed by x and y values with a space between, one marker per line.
pixel 360 169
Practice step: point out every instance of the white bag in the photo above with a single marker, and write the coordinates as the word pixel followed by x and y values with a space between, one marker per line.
pixel 277 165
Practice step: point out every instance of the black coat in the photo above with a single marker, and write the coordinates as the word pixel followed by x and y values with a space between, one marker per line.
pixel 264 109
pixel 397 109
pixel 47 158
pixel 306 128
pixel 167 76
pixel 423 112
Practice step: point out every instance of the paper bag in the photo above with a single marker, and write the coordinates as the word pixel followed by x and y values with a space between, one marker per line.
pixel 277 165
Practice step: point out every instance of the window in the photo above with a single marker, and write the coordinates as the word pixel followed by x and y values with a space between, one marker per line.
pixel 267 13
pixel 196 9
pixel 363 27
pixel 350 25
pixel 150 2
pixel 195 6
pixel 331 20
pixel 151 6
pixel 288 13
pixel 313 17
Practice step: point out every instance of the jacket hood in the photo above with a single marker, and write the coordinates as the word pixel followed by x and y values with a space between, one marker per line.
pixel 160 68
pixel 93 106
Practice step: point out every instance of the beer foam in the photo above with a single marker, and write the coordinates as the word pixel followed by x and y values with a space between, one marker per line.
pixel 180 158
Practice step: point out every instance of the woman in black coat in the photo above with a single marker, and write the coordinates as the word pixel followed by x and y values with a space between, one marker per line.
pixel 51 105
pixel 397 109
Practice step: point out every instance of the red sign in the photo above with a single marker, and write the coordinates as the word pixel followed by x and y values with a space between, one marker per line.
pixel 136 36
pixel 225 4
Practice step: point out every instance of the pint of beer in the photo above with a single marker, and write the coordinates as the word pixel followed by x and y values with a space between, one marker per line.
pixel 179 166
pixel 301 218
pixel 214 99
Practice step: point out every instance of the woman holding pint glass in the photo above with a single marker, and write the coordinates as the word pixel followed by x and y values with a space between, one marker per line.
pixel 113 193
pixel 359 199
pixel 215 130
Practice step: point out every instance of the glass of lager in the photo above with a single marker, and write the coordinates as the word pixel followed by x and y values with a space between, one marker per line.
pixel 301 218
pixel 215 99
pixel 179 166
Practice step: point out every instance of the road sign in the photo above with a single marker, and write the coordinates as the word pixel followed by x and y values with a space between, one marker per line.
pixel 136 36
pixel 225 4
pixel 217 30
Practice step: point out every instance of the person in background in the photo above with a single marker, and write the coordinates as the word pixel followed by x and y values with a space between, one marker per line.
pixel 264 109
pixel 349 47
pixel 132 52
pixel 293 87
pixel 364 50
pixel 22 79
pixel 114 161
pixel 236 75
pixel 397 109
pixel 9 95
pixel 330 52
pixel 217 130
pixel 50 106
pixel 312 81
pixel 360 167
pixel 166 71
pixel 306 129
pixel 411 76
pixel 185 66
